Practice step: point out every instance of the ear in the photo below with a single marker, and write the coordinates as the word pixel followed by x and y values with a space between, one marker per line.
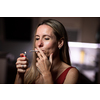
pixel 61 43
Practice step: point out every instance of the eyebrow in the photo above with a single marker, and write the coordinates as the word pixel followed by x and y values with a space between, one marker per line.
pixel 43 35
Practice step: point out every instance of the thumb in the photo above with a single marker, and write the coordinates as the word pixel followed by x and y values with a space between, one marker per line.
pixel 50 58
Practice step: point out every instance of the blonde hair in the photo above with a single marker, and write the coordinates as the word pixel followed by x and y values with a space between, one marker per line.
pixel 60 32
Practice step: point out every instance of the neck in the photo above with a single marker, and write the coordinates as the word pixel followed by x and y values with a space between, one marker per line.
pixel 56 63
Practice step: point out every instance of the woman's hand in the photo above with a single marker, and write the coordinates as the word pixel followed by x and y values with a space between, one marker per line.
pixel 43 63
pixel 22 64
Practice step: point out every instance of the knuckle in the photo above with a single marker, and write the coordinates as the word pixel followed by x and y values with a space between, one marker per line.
pixel 37 59
pixel 26 62
pixel 17 66
pixel 45 58
pixel 36 64
pixel 25 66
pixel 18 62
pixel 25 58
pixel 42 60
pixel 18 58
pixel 21 70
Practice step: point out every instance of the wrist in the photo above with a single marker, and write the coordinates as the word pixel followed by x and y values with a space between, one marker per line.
pixel 19 78
pixel 47 73
pixel 20 74
pixel 47 76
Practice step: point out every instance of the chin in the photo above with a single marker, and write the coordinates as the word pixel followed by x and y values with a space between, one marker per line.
pixel 47 54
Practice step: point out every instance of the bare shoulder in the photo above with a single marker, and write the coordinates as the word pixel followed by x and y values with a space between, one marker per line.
pixel 72 76
pixel 73 71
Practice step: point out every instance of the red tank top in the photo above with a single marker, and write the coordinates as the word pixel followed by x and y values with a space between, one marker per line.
pixel 61 78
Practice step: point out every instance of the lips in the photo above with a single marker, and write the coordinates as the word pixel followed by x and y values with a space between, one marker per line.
pixel 44 51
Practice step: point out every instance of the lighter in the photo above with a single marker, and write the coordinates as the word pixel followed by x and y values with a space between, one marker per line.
pixel 24 54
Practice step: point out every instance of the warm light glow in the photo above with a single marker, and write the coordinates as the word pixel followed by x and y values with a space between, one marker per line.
pixel 84 45
pixel 25 52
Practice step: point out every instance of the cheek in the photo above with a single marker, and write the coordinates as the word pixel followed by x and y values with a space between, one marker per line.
pixel 35 44
pixel 50 48
pixel 50 45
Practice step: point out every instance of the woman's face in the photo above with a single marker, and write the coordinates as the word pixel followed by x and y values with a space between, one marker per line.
pixel 46 40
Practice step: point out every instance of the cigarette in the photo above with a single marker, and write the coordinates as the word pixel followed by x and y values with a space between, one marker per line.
pixel 33 51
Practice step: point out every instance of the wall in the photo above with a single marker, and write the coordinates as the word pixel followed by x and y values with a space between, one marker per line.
pixel 15 47
pixel 87 31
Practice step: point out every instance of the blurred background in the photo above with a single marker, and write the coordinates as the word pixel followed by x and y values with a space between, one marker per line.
pixel 16 36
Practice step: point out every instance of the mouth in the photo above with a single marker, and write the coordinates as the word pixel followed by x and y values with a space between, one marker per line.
pixel 44 51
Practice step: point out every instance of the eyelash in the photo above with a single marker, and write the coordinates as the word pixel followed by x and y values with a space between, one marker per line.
pixel 37 38
pixel 45 38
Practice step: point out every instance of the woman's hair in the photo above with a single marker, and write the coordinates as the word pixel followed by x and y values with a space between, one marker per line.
pixel 60 32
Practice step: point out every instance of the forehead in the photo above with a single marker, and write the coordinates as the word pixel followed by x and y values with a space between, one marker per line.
pixel 44 30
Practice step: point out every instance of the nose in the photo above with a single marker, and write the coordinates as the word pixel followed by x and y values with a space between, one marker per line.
pixel 40 43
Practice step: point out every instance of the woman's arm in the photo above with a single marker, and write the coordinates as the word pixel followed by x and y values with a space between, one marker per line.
pixel 47 77
pixel 72 76
pixel 19 78
pixel 44 65
pixel 21 65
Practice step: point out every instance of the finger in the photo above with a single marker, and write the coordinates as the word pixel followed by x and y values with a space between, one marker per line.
pixel 37 59
pixel 50 58
pixel 37 64
pixel 39 55
pixel 36 49
pixel 21 70
pixel 22 62
pixel 22 59
pixel 21 66
pixel 41 52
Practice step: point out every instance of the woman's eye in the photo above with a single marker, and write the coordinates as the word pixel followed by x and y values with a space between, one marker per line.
pixel 46 38
pixel 37 38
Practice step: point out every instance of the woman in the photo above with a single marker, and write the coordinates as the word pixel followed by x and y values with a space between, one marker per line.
pixel 51 63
